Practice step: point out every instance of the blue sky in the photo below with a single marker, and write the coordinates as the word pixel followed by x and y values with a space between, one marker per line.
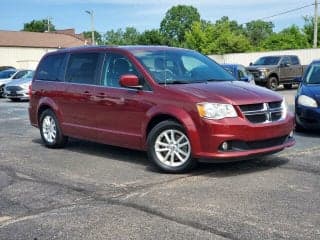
pixel 114 14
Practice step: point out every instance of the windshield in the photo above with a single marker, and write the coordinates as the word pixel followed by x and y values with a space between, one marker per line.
pixel 174 66
pixel 29 75
pixel 313 74
pixel 6 74
pixel 267 61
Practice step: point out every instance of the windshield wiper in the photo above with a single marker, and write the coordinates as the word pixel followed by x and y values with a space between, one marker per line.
pixel 177 82
pixel 218 80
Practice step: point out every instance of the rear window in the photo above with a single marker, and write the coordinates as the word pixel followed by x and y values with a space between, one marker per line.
pixel 51 68
pixel 82 68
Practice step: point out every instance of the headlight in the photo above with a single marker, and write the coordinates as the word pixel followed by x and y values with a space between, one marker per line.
pixel 307 101
pixel 263 73
pixel 284 107
pixel 216 110
pixel 25 85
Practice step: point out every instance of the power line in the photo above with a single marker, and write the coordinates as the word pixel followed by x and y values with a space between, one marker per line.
pixel 286 12
pixel 289 11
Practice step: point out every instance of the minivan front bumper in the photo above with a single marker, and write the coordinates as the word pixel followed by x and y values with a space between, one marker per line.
pixel 236 139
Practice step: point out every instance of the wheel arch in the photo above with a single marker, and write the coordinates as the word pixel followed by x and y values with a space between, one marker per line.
pixel 178 115
pixel 47 104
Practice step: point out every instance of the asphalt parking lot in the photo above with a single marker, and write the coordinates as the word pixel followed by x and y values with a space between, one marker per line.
pixel 95 191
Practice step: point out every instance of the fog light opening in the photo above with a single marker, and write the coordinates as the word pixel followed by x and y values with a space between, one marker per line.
pixel 291 134
pixel 224 146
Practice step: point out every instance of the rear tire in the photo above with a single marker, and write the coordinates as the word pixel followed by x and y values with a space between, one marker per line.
pixel 272 83
pixel 15 99
pixel 169 148
pixel 50 130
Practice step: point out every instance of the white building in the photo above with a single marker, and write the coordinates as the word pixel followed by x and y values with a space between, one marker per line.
pixel 24 49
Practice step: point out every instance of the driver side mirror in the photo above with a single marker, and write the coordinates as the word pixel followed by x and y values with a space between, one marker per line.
pixel 250 64
pixel 130 81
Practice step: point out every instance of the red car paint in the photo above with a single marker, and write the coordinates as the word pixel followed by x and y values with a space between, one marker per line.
pixel 122 116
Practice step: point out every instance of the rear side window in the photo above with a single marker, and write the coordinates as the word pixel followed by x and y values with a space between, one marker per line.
pixel 51 68
pixel 82 68
pixel 286 60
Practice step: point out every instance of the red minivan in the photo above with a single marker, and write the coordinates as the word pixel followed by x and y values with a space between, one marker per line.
pixel 177 104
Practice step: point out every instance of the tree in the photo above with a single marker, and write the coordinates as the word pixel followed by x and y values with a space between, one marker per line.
pixel 218 38
pixel 97 36
pixel 288 38
pixel 113 37
pixel 38 26
pixel 128 37
pixel 151 37
pixel 257 31
pixel 177 21
pixel 232 24
pixel 308 29
pixel 200 37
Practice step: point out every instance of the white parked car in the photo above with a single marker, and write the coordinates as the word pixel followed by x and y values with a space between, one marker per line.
pixel 9 75
pixel 18 89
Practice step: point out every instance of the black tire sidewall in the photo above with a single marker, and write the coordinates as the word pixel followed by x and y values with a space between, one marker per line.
pixel 270 85
pixel 154 133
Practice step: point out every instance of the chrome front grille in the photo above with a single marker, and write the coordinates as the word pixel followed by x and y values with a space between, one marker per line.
pixel 14 88
pixel 256 74
pixel 264 112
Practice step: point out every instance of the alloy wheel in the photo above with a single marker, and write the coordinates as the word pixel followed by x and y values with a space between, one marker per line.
pixel 172 147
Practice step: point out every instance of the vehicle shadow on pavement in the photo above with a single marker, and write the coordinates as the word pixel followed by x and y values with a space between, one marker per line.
pixel 308 133
pixel 242 167
pixel 112 153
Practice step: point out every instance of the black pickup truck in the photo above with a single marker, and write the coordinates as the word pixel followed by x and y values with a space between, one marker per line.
pixel 271 71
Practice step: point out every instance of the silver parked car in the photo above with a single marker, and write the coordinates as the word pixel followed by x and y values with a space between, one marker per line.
pixel 18 89
pixel 8 75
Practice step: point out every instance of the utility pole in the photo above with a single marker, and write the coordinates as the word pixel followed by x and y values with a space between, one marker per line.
pixel 48 23
pixel 92 26
pixel 315 29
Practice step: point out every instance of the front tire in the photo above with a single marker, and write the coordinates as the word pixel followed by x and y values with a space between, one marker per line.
pixel 50 130
pixel 272 83
pixel 169 148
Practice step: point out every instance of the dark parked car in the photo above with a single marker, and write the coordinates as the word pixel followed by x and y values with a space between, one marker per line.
pixel 239 72
pixel 270 71
pixel 176 104
pixel 2 68
pixel 307 101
